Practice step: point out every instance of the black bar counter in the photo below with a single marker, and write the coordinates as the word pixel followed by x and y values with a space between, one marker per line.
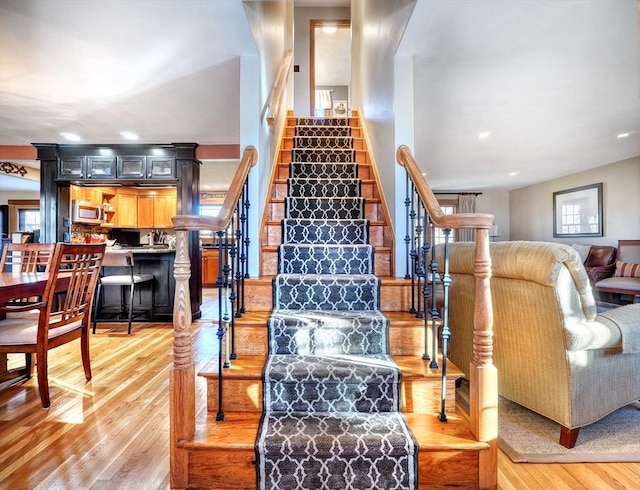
pixel 147 260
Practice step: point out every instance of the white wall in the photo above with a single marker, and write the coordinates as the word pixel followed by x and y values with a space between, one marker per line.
pixel 271 26
pixel 5 196
pixel 531 208
pixel 496 203
pixel 376 29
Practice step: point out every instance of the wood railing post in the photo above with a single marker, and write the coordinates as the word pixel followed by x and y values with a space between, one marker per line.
pixel 182 405
pixel 483 375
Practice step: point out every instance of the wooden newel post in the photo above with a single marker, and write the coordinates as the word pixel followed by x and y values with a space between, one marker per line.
pixel 483 375
pixel 182 376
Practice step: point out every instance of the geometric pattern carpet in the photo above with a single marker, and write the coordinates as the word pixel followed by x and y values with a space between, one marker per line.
pixel 331 390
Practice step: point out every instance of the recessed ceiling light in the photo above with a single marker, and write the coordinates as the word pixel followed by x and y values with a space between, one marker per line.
pixel 128 135
pixel 622 135
pixel 513 174
pixel 70 136
pixel 424 174
pixel 329 29
pixel 484 135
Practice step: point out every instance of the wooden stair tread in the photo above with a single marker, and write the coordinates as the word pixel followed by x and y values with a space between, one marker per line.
pixel 367 199
pixel 238 431
pixel 250 367
pixel 274 248
pixel 398 319
pixel 275 222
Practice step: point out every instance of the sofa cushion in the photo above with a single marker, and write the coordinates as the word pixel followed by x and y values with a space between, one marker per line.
pixel 625 269
pixel 626 285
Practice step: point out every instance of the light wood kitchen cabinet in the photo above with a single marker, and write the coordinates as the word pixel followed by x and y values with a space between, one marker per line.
pixel 146 212
pixel 93 194
pixel 164 208
pixel 210 267
pixel 156 208
pixel 126 208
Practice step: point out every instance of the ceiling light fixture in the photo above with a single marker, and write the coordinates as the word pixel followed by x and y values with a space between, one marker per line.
pixel 70 136
pixel 128 135
pixel 484 135
pixel 622 135
pixel 513 174
pixel 329 29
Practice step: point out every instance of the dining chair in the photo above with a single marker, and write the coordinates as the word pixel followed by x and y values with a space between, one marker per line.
pixel 76 268
pixel 120 259
pixel 26 257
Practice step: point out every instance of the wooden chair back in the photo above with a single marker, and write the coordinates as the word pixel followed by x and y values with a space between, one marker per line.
pixel 26 257
pixel 79 264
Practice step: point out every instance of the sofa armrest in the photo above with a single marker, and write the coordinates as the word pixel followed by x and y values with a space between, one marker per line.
pixel 592 335
pixel 600 272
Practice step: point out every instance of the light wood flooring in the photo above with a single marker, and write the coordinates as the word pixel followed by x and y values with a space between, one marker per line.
pixel 112 432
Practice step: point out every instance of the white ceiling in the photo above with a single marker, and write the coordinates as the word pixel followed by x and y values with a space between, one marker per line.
pixel 554 81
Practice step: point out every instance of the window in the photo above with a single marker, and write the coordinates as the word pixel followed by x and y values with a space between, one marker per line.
pixel 28 219
pixel 24 215
pixel 448 207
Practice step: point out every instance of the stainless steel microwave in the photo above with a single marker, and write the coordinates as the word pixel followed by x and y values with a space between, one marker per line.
pixel 86 212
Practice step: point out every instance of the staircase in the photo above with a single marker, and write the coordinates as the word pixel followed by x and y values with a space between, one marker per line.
pixel 329 389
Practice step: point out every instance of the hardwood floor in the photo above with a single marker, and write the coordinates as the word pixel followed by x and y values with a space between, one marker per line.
pixel 112 432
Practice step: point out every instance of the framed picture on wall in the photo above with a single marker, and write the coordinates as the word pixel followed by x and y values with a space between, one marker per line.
pixel 577 212
pixel 340 108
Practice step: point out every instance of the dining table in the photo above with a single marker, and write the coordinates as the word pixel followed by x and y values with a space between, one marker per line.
pixel 15 285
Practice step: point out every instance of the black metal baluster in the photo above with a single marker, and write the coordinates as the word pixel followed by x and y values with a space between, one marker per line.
pixel 420 272
pixel 446 333
pixel 434 301
pixel 226 317
pixel 426 244
pixel 220 332
pixel 414 257
pixel 232 285
pixel 407 238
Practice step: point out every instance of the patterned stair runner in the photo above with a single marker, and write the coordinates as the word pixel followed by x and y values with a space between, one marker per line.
pixel 331 389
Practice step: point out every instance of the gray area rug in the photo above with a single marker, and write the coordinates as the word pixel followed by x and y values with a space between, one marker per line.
pixel 527 437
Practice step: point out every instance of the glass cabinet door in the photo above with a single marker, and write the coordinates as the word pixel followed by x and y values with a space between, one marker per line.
pixel 161 168
pixel 101 168
pixel 71 168
pixel 132 167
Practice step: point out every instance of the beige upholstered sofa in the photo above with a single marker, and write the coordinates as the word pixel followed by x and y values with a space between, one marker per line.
pixel 554 354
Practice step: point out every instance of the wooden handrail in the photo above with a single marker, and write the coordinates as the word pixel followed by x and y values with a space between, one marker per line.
pixel 221 222
pixel 441 220
pixel 273 102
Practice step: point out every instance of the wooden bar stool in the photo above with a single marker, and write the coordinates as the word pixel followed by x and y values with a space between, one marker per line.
pixel 122 258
